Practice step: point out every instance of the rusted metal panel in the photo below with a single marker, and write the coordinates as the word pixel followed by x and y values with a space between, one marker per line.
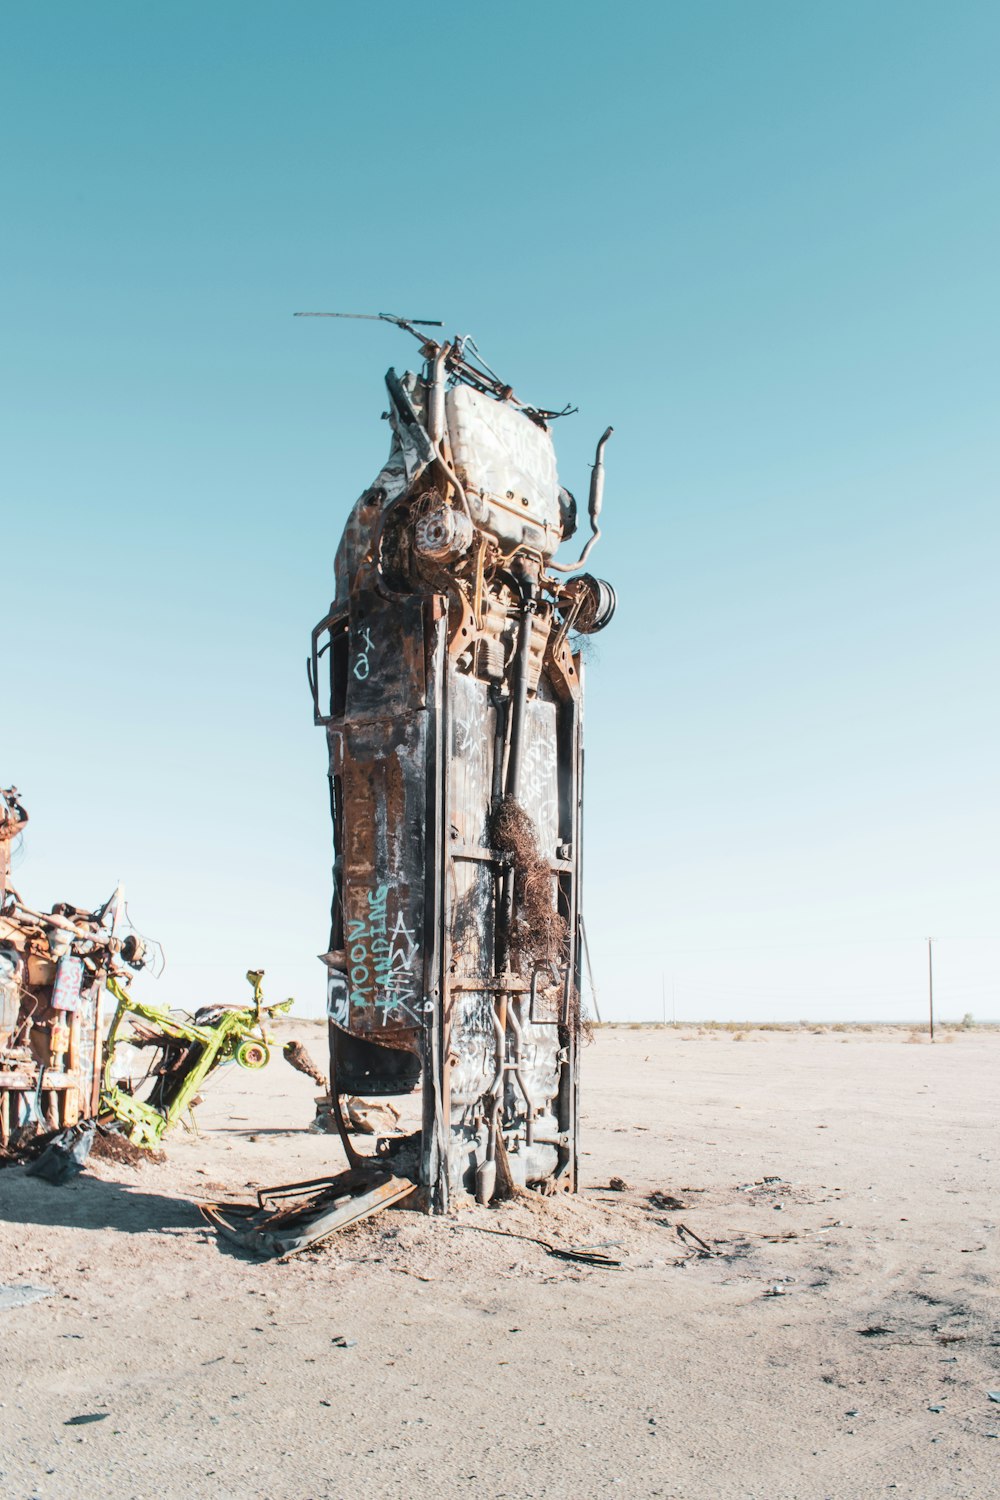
pixel 300 1215
pixel 447 679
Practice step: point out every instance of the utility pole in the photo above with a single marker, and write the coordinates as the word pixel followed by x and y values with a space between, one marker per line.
pixel 663 998
pixel 930 984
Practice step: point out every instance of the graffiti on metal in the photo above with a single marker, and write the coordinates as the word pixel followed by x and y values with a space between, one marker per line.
pixel 447 675
pixel 383 960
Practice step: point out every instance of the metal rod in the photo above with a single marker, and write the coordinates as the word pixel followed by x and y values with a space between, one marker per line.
pixel 930 984
pixel 590 971
pixel 520 701
pixel 529 1103
pixel 377 318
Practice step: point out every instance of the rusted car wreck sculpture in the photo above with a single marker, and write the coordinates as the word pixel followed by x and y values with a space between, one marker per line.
pixel 445 676
pixel 58 1069
pixel 53 969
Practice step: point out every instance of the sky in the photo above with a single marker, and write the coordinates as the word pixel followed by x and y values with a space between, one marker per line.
pixel 761 241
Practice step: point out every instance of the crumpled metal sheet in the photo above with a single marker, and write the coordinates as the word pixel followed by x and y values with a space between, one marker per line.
pixel 290 1218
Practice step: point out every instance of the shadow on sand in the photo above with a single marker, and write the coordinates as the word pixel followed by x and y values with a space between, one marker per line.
pixel 89 1203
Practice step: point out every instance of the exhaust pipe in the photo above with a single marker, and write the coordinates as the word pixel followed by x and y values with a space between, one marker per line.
pixel 594 507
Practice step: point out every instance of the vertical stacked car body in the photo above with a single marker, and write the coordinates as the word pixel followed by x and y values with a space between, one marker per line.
pixel 446 679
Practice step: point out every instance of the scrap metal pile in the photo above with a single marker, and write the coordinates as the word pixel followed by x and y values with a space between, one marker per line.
pixel 58 1070
pixel 447 678
pixel 53 967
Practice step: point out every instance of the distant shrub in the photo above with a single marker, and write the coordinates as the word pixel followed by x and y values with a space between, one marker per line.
pixel 968 1021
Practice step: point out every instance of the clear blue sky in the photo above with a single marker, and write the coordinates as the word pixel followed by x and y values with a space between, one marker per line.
pixel 762 240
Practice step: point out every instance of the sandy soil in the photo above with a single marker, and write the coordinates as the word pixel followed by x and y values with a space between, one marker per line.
pixel 839 1342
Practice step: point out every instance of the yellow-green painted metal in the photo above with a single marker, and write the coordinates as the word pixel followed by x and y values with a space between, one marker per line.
pixel 237 1035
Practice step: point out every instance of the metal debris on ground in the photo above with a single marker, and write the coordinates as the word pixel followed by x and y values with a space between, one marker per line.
pixel 447 675
pixel 697 1243
pixel 665 1200
pixel 297 1215
pixel 107 1144
pixel 64 1155
pixel 587 1255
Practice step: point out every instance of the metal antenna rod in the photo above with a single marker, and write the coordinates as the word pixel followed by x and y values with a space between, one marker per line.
pixel 377 318
pixel 456 364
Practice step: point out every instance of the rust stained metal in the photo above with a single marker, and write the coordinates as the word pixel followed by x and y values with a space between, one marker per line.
pixel 53 968
pixel 446 679
pixel 298 1215
pixel 13 817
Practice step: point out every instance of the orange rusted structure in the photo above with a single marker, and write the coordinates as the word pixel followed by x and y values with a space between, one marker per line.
pixel 53 969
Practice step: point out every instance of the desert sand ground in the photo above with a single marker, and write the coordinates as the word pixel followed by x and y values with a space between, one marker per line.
pixel 840 1342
